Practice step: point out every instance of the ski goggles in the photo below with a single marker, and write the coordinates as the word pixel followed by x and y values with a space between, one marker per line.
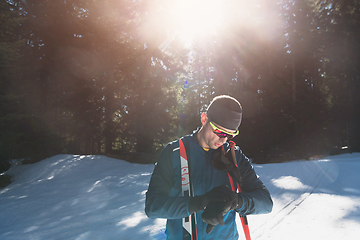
pixel 223 134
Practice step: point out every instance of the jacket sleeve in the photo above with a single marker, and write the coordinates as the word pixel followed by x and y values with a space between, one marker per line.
pixel 256 197
pixel 158 203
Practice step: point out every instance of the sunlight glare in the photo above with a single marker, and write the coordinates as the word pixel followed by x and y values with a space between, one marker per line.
pixel 197 18
pixel 202 21
pixel 289 183
pixel 133 220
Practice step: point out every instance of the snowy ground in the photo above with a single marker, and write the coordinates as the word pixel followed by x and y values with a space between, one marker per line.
pixel 96 197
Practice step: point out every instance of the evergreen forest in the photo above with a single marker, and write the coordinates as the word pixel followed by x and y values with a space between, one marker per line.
pixel 122 78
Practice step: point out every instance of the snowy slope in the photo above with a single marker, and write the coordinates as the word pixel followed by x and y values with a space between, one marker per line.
pixel 96 197
pixel 312 199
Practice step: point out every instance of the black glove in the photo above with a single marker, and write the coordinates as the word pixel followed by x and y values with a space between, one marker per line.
pixel 214 212
pixel 220 194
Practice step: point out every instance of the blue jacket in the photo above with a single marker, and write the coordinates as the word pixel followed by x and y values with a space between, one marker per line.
pixel 164 198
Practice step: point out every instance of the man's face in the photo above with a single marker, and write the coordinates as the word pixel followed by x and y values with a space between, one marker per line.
pixel 211 139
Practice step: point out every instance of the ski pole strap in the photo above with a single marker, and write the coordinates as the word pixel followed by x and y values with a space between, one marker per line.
pixel 188 223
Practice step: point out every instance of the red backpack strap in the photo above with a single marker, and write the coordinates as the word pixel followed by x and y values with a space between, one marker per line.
pixel 188 223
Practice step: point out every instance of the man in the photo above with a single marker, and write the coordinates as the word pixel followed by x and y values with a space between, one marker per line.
pixel 213 203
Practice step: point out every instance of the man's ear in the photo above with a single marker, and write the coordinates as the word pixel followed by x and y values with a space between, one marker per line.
pixel 203 118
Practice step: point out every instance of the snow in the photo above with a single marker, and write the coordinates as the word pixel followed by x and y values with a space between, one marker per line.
pixel 96 197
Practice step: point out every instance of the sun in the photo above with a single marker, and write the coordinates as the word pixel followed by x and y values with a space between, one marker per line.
pixel 197 18
pixel 203 20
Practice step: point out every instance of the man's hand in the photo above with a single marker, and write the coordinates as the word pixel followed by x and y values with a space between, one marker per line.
pixel 214 212
pixel 220 194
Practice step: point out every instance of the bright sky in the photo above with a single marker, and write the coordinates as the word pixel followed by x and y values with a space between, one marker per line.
pixel 192 19
pixel 197 18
